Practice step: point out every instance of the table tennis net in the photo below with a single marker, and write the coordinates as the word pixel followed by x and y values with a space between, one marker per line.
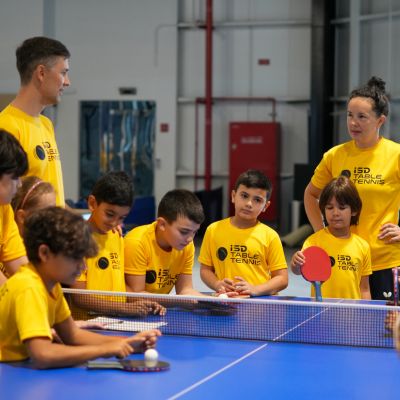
pixel 331 322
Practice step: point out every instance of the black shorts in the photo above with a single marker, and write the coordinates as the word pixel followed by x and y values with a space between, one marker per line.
pixel 379 282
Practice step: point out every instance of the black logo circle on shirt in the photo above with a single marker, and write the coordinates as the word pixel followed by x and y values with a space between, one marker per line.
pixel 333 262
pixel 102 263
pixel 346 173
pixel 151 276
pixel 222 253
pixel 40 153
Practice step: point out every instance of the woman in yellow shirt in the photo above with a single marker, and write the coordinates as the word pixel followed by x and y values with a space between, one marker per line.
pixel 373 164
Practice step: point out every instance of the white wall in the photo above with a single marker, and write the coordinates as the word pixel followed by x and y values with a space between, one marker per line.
pixel 136 43
pixel 13 30
pixel 115 44
pixel 236 72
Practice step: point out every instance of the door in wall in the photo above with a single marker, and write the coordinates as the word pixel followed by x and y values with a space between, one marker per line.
pixel 114 136
pixel 256 145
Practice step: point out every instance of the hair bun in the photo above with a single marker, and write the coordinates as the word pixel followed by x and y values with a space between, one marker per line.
pixel 378 83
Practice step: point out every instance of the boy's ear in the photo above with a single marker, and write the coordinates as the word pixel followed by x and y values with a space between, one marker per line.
pixel 161 223
pixel 267 204
pixel 233 193
pixel 92 203
pixel 43 252
pixel 20 218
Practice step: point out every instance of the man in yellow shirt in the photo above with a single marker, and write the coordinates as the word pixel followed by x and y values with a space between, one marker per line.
pixel 43 66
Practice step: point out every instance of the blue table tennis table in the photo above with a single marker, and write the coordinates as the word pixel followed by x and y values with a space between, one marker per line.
pixel 216 368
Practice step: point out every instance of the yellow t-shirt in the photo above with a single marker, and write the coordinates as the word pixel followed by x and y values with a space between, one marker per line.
pixel 376 174
pixel 106 270
pixel 350 260
pixel 36 135
pixel 11 245
pixel 251 253
pixel 27 310
pixel 143 256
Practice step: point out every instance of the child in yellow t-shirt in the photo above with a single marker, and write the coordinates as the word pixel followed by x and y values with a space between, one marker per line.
pixel 13 164
pixel 109 203
pixel 241 255
pixel 160 255
pixel 33 195
pixel 340 205
pixel 56 242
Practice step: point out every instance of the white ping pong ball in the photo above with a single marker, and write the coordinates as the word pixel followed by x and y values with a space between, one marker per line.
pixel 223 296
pixel 151 356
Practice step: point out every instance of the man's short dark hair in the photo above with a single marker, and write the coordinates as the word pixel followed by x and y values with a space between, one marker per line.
pixel 115 188
pixel 254 178
pixel 35 51
pixel 64 232
pixel 13 159
pixel 180 203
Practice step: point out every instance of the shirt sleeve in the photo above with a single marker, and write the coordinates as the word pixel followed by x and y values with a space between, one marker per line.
pixel 32 315
pixel 323 173
pixel 366 268
pixel 188 260
pixel 276 257
pixel 205 252
pixel 136 256
pixel 308 243
pixel 12 244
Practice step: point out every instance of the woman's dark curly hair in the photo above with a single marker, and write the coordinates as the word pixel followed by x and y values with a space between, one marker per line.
pixel 375 90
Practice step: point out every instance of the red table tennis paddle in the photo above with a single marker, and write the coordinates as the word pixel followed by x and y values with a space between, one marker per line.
pixel 129 365
pixel 316 268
